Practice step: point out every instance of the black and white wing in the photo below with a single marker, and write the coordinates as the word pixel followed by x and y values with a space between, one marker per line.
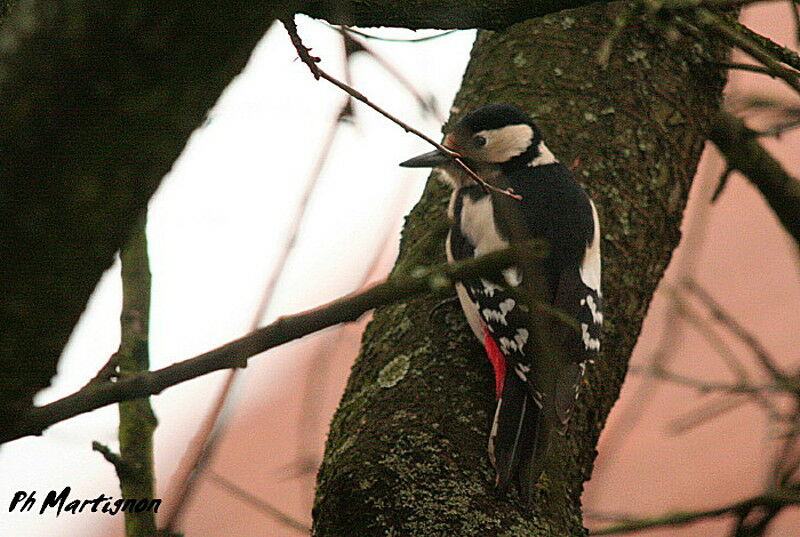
pixel 578 294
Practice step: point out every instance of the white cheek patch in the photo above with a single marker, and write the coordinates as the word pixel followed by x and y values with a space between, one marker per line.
pixel 505 143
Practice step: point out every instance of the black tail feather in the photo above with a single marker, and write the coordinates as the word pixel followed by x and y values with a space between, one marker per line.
pixel 514 442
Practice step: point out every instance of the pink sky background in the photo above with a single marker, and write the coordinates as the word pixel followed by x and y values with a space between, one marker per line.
pixel 736 249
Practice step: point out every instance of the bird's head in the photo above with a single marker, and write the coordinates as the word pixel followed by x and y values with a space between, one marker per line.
pixel 492 140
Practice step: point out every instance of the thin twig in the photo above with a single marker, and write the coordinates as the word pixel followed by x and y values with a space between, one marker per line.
pixel 312 61
pixel 236 353
pixel 721 184
pixel 683 518
pixel 713 409
pixel 258 503
pixel 707 386
pixel 746 67
pixel 427 105
pixel 783 54
pixel 777 130
pixel 734 36
pixel 394 40
pixel 707 330
pixel 743 152
pixel 110 456
pixel 748 338
pixel 783 467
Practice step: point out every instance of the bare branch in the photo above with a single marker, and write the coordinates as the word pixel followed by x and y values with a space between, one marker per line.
pixel 395 40
pixel 783 54
pixel 683 518
pixel 283 330
pixel 736 37
pixel 744 153
pixel 747 67
pixel 312 61
pixel 136 419
pixel 705 385
pixel 113 458
pixel 427 104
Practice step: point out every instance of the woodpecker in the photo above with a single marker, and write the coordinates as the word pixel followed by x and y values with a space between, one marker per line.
pixel 503 146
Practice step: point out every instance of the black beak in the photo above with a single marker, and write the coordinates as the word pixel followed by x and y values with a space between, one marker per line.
pixel 427 160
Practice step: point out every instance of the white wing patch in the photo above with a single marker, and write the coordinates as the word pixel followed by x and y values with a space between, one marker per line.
pixel 499 315
pixel 590 269
pixel 508 345
pixel 489 288
pixel 513 276
pixel 478 226
pixel 522 371
pixel 597 315
pixel 589 342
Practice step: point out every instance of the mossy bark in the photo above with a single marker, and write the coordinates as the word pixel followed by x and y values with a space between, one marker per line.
pixel 136 419
pixel 406 453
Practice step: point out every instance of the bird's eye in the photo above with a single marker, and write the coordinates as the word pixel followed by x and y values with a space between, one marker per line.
pixel 479 141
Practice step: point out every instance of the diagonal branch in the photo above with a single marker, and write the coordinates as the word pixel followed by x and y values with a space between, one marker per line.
pixel 683 518
pixel 733 35
pixel 744 153
pixel 285 329
pixel 311 61
pixel 262 505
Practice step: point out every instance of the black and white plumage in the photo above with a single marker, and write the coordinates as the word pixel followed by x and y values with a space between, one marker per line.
pixel 503 146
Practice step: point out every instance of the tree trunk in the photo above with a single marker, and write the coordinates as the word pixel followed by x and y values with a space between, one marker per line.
pixel 406 453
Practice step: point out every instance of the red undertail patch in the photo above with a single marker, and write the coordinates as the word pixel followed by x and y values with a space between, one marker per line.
pixel 497 359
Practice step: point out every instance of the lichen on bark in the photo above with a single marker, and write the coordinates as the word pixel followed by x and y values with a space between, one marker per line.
pixel 411 460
